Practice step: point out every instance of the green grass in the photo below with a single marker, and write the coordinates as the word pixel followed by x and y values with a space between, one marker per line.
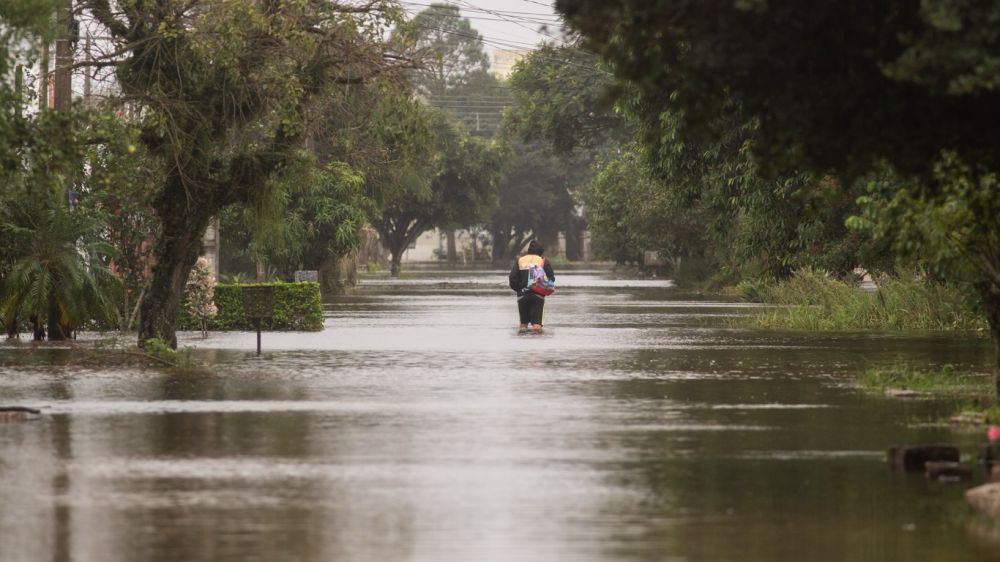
pixel 943 381
pixel 811 301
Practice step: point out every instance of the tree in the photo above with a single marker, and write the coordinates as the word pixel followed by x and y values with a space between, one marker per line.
pixel 836 86
pixel 536 199
pixel 224 90
pixel 313 227
pixel 562 95
pixel 24 26
pixel 450 48
pixel 53 263
pixel 457 188
pixel 60 269
pixel 839 87
pixel 628 212
pixel 118 180
pixel 562 113
pixel 698 196
pixel 453 75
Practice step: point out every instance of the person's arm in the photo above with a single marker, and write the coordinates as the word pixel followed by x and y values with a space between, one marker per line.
pixel 548 271
pixel 515 278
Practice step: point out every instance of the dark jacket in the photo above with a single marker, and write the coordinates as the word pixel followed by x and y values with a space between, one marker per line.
pixel 519 272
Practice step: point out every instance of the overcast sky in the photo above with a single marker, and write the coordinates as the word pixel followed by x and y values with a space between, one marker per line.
pixel 509 24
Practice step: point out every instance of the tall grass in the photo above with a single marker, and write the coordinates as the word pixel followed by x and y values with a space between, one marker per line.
pixel 812 301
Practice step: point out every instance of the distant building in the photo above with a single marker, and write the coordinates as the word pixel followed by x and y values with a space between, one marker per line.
pixel 505 59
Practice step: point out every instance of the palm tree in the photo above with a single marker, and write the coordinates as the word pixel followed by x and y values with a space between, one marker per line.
pixel 58 268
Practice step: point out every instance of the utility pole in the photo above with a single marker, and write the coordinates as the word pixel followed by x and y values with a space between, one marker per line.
pixel 86 74
pixel 19 89
pixel 43 81
pixel 64 57
pixel 62 101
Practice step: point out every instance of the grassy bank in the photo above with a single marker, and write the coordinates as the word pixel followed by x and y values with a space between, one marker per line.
pixel 945 381
pixel 973 394
pixel 811 301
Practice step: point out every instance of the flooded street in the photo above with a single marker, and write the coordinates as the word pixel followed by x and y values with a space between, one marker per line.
pixel 419 427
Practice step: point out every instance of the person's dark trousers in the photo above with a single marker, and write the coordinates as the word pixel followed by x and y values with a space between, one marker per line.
pixel 529 306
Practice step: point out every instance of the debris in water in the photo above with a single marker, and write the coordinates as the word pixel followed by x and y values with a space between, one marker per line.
pixel 912 458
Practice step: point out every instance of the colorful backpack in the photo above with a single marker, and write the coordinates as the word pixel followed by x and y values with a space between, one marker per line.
pixel 539 282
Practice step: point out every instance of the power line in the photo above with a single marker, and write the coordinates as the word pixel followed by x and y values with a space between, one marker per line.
pixel 537 3
pixel 512 21
pixel 495 12
pixel 504 45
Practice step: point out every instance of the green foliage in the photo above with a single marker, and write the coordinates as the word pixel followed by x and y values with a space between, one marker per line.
pixel 54 263
pixel 318 223
pixel 450 49
pixel 222 95
pixel 897 88
pixel 699 200
pixel 535 198
pixel 119 180
pixel 954 228
pixel 562 96
pixel 836 86
pixel 630 211
pixel 446 178
pixel 59 259
pixel 945 380
pixel 160 349
pixel 297 307
pixel 810 300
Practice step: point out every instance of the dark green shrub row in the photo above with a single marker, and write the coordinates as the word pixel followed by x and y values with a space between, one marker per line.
pixel 297 307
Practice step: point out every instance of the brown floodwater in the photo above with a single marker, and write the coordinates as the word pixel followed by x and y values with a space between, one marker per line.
pixel 419 427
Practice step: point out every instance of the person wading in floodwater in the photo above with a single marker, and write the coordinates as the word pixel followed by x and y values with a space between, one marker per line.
pixel 532 279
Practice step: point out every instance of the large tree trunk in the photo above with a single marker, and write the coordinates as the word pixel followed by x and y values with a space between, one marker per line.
pixel 62 96
pixel 336 274
pixel 574 240
pixel 990 295
pixel 501 240
pixel 395 242
pixel 57 329
pixel 37 328
pixel 175 253
pixel 550 240
pixel 452 247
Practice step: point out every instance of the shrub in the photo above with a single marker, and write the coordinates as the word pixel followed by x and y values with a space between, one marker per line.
pixel 200 293
pixel 297 307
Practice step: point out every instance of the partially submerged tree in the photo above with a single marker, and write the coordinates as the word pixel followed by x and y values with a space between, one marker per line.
pixel 224 90
pixel 447 178
pixel 59 270
pixel 453 74
pixel 536 199
pixel 844 88
pixel 53 260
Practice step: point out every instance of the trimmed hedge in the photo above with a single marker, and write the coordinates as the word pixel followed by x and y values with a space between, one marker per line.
pixel 297 307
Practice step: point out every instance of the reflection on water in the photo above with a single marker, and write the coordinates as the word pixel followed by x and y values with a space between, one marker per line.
pixel 419 426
